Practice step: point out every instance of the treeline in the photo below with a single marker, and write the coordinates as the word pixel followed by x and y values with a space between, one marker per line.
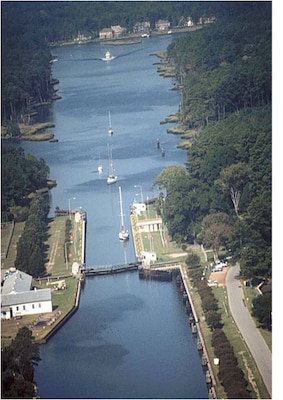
pixel 222 199
pixel 57 21
pixel 229 370
pixel 21 175
pixel 226 67
pixel 26 68
pixel 31 247
pixel 18 362
pixel 28 28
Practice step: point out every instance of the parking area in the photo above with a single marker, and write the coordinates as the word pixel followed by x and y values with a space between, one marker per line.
pixel 219 276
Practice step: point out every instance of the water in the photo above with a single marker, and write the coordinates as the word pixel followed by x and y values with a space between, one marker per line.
pixel 129 338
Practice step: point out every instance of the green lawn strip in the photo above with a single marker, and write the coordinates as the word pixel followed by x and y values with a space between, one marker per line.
pixel 9 328
pixel 5 233
pixel 246 361
pixel 56 264
pixel 62 300
pixel 207 334
pixel 11 257
pixel 76 243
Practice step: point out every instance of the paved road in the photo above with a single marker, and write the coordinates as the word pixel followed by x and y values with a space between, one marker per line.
pixel 247 327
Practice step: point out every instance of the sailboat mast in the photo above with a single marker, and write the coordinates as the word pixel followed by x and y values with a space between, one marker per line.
pixel 110 160
pixel 121 208
pixel 110 130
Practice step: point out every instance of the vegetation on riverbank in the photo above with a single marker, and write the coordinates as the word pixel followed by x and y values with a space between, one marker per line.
pixel 226 186
pixel 57 269
pixel 229 169
pixel 18 362
pixel 216 310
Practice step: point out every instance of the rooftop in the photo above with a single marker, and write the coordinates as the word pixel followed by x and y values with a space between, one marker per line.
pixel 17 281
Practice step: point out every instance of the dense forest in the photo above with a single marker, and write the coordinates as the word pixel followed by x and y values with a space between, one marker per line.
pixel 222 199
pixel 25 197
pixel 28 28
pixel 21 175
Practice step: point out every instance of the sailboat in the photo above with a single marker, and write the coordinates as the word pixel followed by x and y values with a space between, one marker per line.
pixel 111 177
pixel 110 130
pixel 123 234
pixel 99 167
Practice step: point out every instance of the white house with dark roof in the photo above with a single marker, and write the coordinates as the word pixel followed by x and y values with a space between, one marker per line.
pixel 17 298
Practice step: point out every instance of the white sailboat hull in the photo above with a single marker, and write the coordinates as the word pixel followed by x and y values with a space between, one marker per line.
pixel 123 234
pixel 112 179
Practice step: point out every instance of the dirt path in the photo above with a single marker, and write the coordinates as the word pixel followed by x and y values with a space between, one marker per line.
pixel 220 276
pixel 53 251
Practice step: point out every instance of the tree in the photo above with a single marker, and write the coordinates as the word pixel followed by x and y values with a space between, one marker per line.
pixel 262 310
pixel 193 260
pixel 233 180
pixel 216 231
pixel 18 361
pixel 168 176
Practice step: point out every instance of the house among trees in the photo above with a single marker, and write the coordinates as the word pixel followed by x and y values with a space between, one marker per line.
pixel 106 33
pixel 162 25
pixel 109 33
pixel 81 38
pixel 18 298
pixel 117 30
pixel 141 27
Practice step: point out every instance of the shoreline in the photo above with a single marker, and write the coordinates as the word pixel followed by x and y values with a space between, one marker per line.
pixel 128 39
pixel 80 282
pixel 185 280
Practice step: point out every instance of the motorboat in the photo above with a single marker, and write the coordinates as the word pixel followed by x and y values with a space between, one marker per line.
pixel 107 56
pixel 99 167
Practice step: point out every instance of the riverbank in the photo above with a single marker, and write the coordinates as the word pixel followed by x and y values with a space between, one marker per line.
pixel 194 306
pixel 35 132
pixel 131 38
pixel 150 235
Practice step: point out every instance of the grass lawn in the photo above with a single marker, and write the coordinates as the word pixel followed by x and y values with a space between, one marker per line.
pixel 5 232
pixel 165 249
pixel 57 269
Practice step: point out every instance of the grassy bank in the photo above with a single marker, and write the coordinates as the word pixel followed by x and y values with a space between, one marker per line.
pixel 35 132
pixel 168 250
pixel 58 269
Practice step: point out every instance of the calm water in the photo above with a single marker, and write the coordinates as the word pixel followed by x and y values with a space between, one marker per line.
pixel 130 338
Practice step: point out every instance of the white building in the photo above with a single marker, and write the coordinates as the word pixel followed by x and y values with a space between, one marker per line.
pixel 148 257
pixel 17 298
pixel 138 208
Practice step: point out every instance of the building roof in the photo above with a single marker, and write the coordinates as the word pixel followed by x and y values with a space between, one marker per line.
pixel 30 296
pixel 17 281
pixel 104 30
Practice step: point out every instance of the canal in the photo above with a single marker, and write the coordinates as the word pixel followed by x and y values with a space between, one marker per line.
pixel 129 338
